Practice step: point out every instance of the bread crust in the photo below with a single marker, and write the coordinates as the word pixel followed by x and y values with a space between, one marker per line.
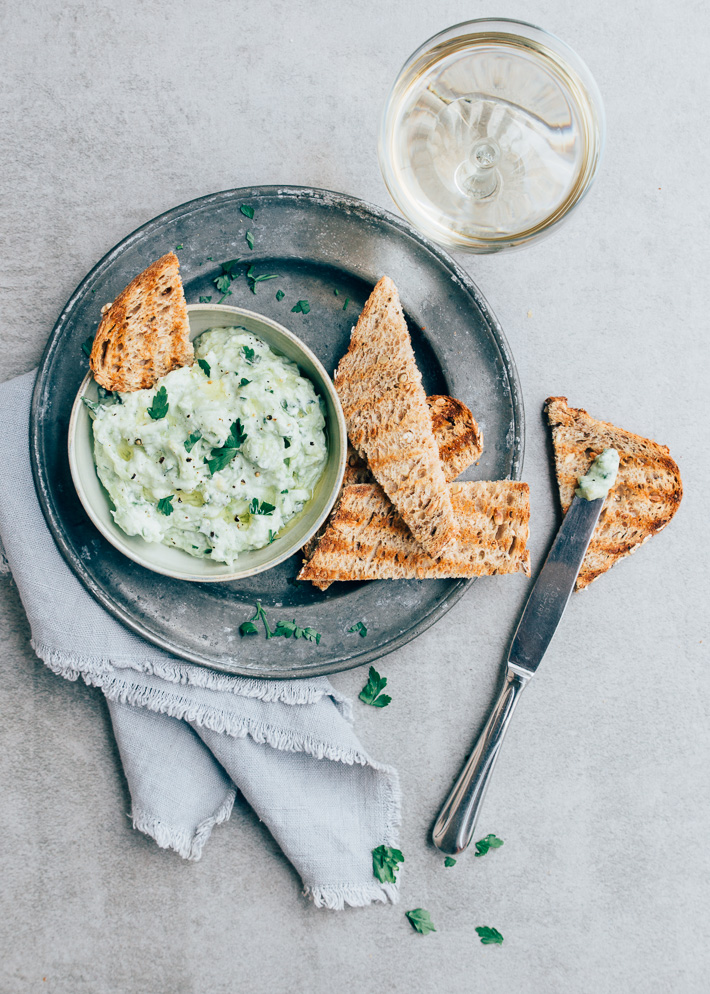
pixel 145 332
pixel 647 492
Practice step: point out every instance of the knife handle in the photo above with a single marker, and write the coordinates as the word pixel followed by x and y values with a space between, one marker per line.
pixel 455 825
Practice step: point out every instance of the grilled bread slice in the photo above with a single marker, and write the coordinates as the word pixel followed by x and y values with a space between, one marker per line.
pixel 389 422
pixel 458 438
pixel 367 540
pixel 646 495
pixel 144 333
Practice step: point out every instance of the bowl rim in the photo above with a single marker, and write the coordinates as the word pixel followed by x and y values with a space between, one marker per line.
pixel 113 533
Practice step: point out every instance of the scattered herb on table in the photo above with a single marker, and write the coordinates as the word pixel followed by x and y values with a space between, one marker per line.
pixel 165 504
pixel 280 295
pixel 228 273
pixel 192 440
pixel 385 863
pixel 489 936
pixel 336 292
pixel 159 408
pixel 420 920
pixel 284 629
pixel 489 842
pixel 359 628
pixel 345 305
pixel 247 211
pixel 223 454
pixel 371 693
pixel 205 300
pixel 204 366
pixel 302 307
pixel 449 861
pixel 255 280
pixel 86 345
pixel 249 239
pixel 178 248
pixel 261 508
pixel 209 259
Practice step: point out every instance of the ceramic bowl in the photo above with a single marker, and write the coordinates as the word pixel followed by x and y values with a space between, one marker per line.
pixel 174 562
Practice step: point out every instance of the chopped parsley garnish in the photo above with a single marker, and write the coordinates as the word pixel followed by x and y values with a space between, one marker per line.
pixel 420 920
pixel 371 693
pixel 280 295
pixel 165 504
pixel 449 861
pixel 272 536
pixel 489 936
pixel 249 239
pixel 287 442
pixel 178 248
pixel 86 345
pixel 345 305
pixel 284 491
pixel 223 454
pixel 336 292
pixel 159 408
pixel 385 863
pixel 250 355
pixel 192 440
pixel 204 366
pixel 209 259
pixel 284 629
pixel 261 508
pixel 489 842
pixel 302 307
pixel 247 211
pixel 360 628
pixel 244 382
pixel 205 300
pixel 254 280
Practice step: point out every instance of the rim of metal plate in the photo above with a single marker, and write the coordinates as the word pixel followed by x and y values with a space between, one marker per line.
pixel 334 200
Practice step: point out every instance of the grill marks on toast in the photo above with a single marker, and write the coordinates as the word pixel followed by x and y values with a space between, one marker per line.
pixel 145 332
pixel 389 422
pixel 646 495
pixel 366 538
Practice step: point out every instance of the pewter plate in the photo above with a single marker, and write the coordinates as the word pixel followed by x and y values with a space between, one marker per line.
pixel 317 242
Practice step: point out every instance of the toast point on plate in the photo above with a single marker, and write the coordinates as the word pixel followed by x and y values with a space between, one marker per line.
pixel 145 332
pixel 389 422
pixel 644 498
pixel 366 539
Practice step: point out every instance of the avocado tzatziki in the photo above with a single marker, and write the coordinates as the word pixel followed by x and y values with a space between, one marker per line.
pixel 600 477
pixel 218 456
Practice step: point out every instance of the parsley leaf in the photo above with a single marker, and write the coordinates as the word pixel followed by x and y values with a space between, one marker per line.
pixel 345 305
pixel 222 282
pixel 420 920
pixel 302 306
pixel 264 508
pixel 370 693
pixel 244 382
pixel 165 505
pixel 360 628
pixel 272 536
pixel 287 442
pixel 385 863
pixel 449 861
pixel 159 408
pixel 192 440
pixel 284 629
pixel 248 628
pixel 205 300
pixel 280 295
pixel 223 454
pixel 204 366
pixel 86 345
pixel 247 211
pixel 336 292
pixel 489 936
pixel 250 355
pixel 249 239
pixel 228 268
pixel 178 247
pixel 489 842
pixel 253 280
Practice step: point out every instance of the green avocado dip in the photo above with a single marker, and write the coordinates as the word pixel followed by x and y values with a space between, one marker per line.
pixel 217 457
pixel 600 477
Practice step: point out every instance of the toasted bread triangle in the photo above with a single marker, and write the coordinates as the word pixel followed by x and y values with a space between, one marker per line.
pixel 389 422
pixel 145 332
pixel 646 495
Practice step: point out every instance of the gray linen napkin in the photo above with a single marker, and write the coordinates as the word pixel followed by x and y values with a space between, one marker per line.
pixel 188 737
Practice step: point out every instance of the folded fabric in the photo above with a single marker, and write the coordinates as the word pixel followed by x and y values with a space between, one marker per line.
pixel 189 737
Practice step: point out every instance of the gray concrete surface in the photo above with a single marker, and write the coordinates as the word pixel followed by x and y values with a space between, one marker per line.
pixel 114 112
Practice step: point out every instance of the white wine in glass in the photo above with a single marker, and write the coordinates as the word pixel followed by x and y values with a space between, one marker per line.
pixel 492 133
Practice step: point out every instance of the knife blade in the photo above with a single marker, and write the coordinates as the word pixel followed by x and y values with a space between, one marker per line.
pixel 545 606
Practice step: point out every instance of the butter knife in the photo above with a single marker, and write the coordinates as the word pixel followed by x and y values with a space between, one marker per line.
pixel 455 825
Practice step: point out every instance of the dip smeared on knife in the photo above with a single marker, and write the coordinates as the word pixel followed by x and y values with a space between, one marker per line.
pixel 218 456
pixel 600 477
